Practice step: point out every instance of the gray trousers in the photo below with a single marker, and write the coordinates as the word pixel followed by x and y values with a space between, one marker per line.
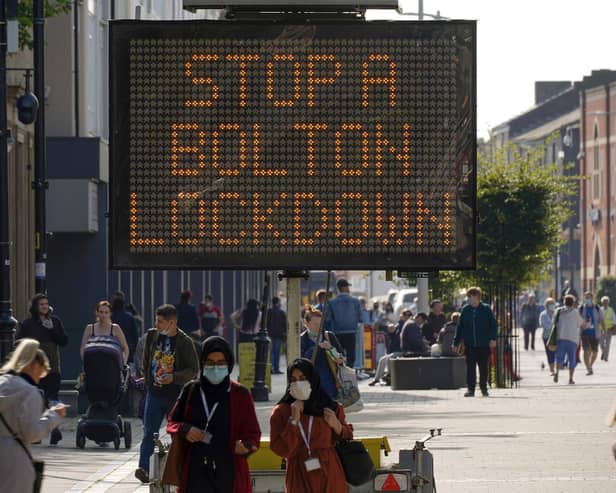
pixel 604 341
pixel 383 366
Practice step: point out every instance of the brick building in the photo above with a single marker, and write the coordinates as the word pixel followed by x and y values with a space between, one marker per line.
pixel 597 94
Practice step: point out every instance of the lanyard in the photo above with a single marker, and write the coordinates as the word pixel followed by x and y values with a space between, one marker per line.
pixel 208 414
pixel 303 433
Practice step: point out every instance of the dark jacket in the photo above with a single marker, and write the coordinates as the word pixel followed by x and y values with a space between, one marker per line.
pixel 433 326
pixel 412 339
pixel 186 366
pixel 530 316
pixel 51 340
pixel 393 339
pixel 187 317
pixel 128 324
pixel 322 364
pixel 476 327
pixel 277 322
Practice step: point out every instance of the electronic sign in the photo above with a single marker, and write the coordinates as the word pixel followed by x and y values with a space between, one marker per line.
pixel 285 145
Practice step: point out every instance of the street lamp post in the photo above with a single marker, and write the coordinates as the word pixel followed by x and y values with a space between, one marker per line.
pixel 40 169
pixel 260 391
pixel 7 321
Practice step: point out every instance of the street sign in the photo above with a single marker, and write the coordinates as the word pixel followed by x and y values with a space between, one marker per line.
pixel 288 145
pixel 391 482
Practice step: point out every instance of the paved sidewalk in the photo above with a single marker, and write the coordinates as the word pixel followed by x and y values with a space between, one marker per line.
pixel 542 437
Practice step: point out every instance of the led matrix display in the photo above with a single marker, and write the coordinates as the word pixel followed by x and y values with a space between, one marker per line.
pixel 273 145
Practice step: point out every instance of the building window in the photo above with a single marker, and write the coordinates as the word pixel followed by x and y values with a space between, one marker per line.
pixel 596 169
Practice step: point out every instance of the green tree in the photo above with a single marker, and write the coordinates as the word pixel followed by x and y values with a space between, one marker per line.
pixel 522 205
pixel 606 287
pixel 24 16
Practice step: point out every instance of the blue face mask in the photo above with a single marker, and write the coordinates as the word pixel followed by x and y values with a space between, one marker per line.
pixel 215 374
pixel 588 302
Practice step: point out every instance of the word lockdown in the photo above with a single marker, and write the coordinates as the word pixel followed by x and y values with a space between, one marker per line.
pixel 311 222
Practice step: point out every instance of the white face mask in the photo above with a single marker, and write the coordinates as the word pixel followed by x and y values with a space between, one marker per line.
pixel 300 390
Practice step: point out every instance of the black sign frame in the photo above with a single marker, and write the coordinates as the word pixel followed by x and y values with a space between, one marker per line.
pixel 120 255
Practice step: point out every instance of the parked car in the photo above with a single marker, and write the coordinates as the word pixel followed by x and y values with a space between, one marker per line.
pixel 405 298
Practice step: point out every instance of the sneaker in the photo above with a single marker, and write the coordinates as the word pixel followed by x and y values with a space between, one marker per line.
pixel 469 394
pixel 142 476
pixel 571 382
pixel 555 377
pixel 589 372
pixel 55 437
pixel 485 393
pixel 373 383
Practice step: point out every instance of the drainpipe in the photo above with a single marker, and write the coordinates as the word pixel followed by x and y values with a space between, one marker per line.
pixel 584 190
pixel 608 174
pixel 76 63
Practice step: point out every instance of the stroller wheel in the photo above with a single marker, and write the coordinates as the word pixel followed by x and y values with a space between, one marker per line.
pixel 80 439
pixel 116 441
pixel 128 435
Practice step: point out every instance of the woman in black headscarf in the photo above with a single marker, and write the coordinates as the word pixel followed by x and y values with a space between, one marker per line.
pixel 304 428
pixel 216 416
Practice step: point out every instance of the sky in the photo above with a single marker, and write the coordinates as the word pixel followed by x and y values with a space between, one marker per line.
pixel 519 42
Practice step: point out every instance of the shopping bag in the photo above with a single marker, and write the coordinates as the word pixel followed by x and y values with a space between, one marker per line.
pixel 348 393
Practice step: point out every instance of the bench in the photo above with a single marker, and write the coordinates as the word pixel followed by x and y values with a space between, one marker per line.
pixel 427 373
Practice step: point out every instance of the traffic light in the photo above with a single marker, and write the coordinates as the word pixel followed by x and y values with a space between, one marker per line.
pixel 27 107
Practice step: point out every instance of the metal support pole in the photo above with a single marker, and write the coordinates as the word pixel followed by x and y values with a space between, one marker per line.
pixel 423 303
pixel 294 300
pixel 420 10
pixel 7 322
pixel 40 163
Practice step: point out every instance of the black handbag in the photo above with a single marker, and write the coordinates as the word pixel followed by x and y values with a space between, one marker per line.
pixel 356 462
pixel 38 465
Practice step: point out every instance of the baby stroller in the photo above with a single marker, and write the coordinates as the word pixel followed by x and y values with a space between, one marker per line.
pixel 105 383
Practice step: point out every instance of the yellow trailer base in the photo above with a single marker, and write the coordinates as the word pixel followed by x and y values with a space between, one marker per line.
pixel 266 460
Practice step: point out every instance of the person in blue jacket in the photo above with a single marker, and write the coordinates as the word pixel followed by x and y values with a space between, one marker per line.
pixel 329 350
pixel 477 329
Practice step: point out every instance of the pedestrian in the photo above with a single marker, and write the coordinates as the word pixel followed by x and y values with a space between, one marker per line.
pixel 477 329
pixel 132 309
pixel 22 419
pixel 545 321
pixel 594 325
pixel 436 321
pixel 187 313
pixel 304 428
pixel 530 321
pixel 329 350
pixel 104 327
pixel 366 315
pixel 447 335
pixel 608 327
pixel 568 289
pixel 46 328
pixel 122 317
pixel 386 316
pixel 277 326
pixel 412 339
pixel 216 415
pixel 211 318
pixel 565 336
pixel 247 321
pixel 343 316
pixel 169 362
pixel 321 295
pixel 393 344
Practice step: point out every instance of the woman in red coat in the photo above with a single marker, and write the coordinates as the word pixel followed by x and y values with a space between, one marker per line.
pixel 304 428
pixel 217 417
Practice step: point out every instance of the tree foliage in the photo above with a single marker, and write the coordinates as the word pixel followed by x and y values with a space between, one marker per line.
pixel 24 16
pixel 522 203
pixel 606 287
